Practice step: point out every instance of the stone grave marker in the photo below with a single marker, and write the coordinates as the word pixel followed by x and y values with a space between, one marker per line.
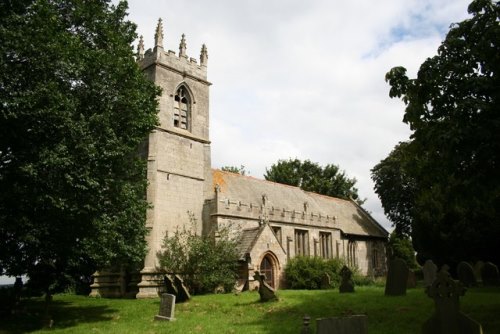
pixel 430 270
pixel 354 324
pixel 397 278
pixel 490 274
pixel 182 292
pixel 465 274
pixel 411 283
pixel 325 281
pixel 167 307
pixel 346 284
pixel 266 291
pixel 447 318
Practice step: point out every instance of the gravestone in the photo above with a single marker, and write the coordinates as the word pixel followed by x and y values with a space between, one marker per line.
pixel 266 291
pixel 478 268
pixel 167 307
pixel 346 284
pixel 465 274
pixel 447 318
pixel 490 274
pixel 411 283
pixel 430 271
pixel 325 281
pixel 182 292
pixel 397 277
pixel 354 324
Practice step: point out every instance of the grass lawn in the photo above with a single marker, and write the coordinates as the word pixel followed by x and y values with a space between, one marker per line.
pixel 243 313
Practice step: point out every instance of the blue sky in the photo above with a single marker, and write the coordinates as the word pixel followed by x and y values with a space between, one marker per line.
pixel 304 79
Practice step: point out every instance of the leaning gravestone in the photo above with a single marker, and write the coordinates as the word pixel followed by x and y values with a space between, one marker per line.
pixel 347 284
pixel 266 291
pixel 447 318
pixel 182 292
pixel 167 307
pixel 354 324
pixel 490 274
pixel 397 278
pixel 465 274
pixel 430 271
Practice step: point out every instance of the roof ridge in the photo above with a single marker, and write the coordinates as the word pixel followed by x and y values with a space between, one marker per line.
pixel 279 184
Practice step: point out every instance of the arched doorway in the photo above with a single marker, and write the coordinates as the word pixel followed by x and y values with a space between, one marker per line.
pixel 267 268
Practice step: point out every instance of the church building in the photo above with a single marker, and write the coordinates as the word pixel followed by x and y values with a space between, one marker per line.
pixel 275 222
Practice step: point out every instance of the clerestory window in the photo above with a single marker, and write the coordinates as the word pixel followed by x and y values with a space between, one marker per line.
pixel 182 109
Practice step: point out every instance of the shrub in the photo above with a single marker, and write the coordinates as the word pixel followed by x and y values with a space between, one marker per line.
pixel 306 272
pixel 204 263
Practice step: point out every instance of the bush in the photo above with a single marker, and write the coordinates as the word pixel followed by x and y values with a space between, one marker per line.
pixel 304 272
pixel 204 263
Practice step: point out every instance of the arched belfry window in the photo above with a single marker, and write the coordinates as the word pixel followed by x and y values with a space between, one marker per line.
pixel 182 108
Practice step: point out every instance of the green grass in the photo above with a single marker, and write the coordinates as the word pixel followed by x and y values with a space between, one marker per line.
pixel 243 313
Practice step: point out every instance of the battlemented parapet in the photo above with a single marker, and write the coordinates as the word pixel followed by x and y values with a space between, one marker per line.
pixel 179 63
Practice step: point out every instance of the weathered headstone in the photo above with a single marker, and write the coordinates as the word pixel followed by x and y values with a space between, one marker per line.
pixel 397 277
pixel 354 324
pixel 465 274
pixel 447 318
pixel 411 283
pixel 346 284
pixel 490 274
pixel 430 270
pixel 182 292
pixel 325 281
pixel 167 307
pixel 266 291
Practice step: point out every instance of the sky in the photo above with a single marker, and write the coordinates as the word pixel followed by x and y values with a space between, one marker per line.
pixel 304 79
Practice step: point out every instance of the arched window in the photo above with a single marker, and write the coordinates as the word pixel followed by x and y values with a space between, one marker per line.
pixel 182 108
pixel 351 254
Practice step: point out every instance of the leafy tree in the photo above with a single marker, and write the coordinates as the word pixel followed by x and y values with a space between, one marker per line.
pixel 74 107
pixel 396 187
pixel 205 262
pixel 401 246
pixel 452 108
pixel 310 176
pixel 233 169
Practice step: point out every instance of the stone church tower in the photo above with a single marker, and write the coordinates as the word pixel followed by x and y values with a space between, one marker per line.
pixel 178 150
pixel 276 222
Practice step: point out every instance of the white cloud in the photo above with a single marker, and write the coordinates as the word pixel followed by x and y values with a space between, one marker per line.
pixel 304 79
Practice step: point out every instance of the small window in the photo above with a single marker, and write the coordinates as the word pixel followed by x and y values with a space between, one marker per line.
pixel 301 243
pixel 182 108
pixel 351 254
pixel 325 245
pixel 277 232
